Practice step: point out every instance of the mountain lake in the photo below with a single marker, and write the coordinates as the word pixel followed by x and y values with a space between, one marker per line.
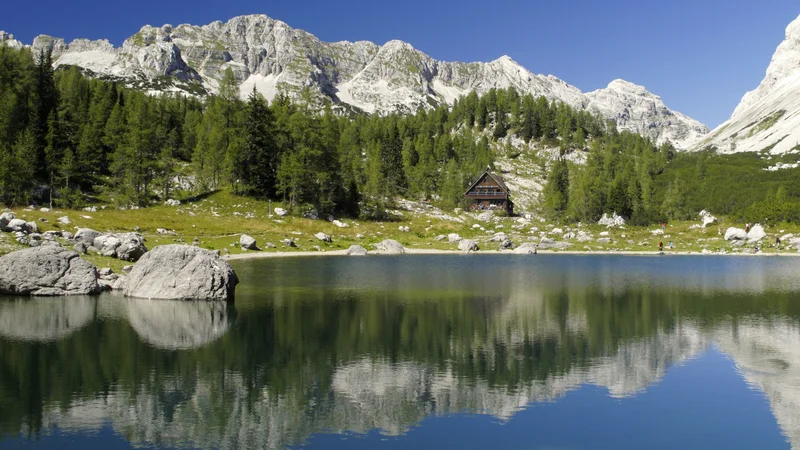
pixel 420 351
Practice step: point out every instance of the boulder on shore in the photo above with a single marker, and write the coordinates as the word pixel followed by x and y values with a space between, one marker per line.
pixel 356 250
pixel 526 248
pixel 468 245
pixel 5 218
pixel 756 233
pixel 86 235
pixel 181 272
pixel 735 234
pixel 390 247
pixel 124 246
pixel 47 270
pixel 248 242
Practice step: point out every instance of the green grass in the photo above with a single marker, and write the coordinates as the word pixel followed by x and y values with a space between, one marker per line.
pixel 218 221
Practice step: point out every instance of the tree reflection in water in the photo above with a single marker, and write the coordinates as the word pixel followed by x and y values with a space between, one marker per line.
pixel 382 343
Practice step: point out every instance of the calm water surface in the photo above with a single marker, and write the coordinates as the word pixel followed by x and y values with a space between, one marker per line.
pixel 478 351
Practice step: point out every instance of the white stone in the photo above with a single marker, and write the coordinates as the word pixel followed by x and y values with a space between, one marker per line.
pixel 735 234
pixel 453 238
pixel 756 233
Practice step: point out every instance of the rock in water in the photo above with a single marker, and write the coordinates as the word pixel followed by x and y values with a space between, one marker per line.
pixel 390 247
pixel 47 270
pixel 356 250
pixel 181 272
pixel 248 242
pixel 468 245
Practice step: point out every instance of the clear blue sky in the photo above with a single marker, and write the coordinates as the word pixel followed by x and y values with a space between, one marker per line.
pixel 700 56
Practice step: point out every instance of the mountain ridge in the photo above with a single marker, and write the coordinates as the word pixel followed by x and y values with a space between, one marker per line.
pixel 768 117
pixel 273 57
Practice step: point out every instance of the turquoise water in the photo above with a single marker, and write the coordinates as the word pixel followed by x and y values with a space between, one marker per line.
pixel 424 351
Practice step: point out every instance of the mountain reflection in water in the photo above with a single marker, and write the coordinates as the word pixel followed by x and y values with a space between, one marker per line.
pixel 342 345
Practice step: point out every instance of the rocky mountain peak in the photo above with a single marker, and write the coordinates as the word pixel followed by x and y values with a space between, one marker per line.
pixel 785 64
pixel 767 118
pixel 273 57
pixel 627 88
pixel 8 39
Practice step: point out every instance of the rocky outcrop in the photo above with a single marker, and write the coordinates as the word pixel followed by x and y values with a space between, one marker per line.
pixel 86 236
pixel 181 272
pixel 323 237
pixel 390 247
pixel 356 250
pixel 271 57
pixel 468 245
pixel 124 246
pixel 526 248
pixel 767 118
pixel 248 242
pixel 756 234
pixel 613 220
pixel 638 111
pixel 47 270
pixel 735 234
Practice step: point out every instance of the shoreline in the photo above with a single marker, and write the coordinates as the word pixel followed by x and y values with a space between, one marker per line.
pixel 418 251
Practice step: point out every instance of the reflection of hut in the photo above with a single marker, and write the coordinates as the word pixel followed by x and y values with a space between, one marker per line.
pixel 489 192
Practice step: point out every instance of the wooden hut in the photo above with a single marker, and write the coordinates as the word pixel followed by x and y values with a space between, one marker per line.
pixel 489 192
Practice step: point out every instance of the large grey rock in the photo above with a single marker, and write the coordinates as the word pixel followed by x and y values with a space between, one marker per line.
pixel 452 238
pixel 19 225
pixel 356 250
pixel 613 220
pixel 468 245
pixel 106 244
pixel 5 218
pixel 124 246
pixel 506 244
pixel 526 248
pixel 390 247
pixel 86 235
pixel 132 247
pixel 756 234
pixel 735 234
pixel 47 270
pixel 323 237
pixel 248 242
pixel 499 237
pixel 181 272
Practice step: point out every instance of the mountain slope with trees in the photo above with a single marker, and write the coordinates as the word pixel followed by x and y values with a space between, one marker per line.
pixel 69 141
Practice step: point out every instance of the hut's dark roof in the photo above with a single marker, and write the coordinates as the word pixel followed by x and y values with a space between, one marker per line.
pixel 497 179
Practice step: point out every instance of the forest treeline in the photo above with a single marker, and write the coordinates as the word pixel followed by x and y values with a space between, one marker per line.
pixel 68 140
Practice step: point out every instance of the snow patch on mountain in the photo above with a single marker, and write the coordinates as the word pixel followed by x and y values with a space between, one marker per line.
pixel 264 85
pixel 767 118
